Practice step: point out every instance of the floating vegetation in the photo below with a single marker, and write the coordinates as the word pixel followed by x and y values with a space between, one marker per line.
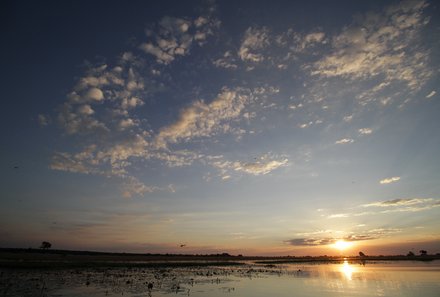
pixel 187 281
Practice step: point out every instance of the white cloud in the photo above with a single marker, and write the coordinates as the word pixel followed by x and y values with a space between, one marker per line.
pixel 161 55
pixel 117 89
pixel 254 40
pixel 175 36
pixel 389 180
pixel 136 146
pixel 262 166
pixel 67 162
pixel 106 98
pixel 85 110
pixel 202 120
pixel 200 21
pixel 398 202
pixel 365 131
pixel 80 122
pixel 344 141
pixel 392 206
pixel 227 61
pixel 305 125
pixel 91 95
pixel 431 94
pixel 338 215
pixel 199 36
pixel 348 118
pixel 293 106
pixel 380 44
pixel 312 39
pixel 133 102
pixel 126 123
pixel 94 94
pixel 133 186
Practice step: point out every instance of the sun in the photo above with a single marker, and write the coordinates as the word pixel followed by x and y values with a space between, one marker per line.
pixel 342 245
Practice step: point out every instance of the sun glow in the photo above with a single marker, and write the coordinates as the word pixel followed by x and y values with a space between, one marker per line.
pixel 342 245
pixel 347 270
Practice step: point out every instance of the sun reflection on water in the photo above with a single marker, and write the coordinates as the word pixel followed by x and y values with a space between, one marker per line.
pixel 347 270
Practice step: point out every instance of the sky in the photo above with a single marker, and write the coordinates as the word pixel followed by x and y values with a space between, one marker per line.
pixel 247 127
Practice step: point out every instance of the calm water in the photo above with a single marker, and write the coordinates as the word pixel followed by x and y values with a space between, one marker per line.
pixel 377 279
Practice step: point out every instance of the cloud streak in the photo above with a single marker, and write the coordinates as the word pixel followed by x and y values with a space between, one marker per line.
pixel 344 141
pixel 389 180
pixel 391 206
pixel 351 237
pixel 398 202
pixel 262 166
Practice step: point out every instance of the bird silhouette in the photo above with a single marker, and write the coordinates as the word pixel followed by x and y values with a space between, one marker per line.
pixel 182 245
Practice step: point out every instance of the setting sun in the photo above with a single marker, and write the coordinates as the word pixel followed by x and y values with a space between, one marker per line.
pixel 342 245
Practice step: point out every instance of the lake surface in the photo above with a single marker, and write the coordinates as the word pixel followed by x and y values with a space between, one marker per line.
pixel 398 278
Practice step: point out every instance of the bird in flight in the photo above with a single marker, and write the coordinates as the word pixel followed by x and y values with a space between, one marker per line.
pixel 182 245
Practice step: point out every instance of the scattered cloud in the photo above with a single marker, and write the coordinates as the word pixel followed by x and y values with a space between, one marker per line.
pixel 389 180
pixel 431 94
pixel 344 141
pixel 173 40
pixel 375 44
pixel 253 41
pixel 133 186
pixel 126 123
pixel 365 131
pixel 227 61
pixel 260 166
pixel 85 110
pixel 174 37
pixel 104 103
pixel 348 118
pixel 80 121
pixel 67 162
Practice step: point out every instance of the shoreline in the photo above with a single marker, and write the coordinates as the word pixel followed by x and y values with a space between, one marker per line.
pixel 11 258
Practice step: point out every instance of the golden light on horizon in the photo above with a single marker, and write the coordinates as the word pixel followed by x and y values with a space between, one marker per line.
pixel 342 245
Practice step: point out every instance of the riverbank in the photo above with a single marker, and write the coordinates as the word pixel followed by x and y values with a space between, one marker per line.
pixel 52 259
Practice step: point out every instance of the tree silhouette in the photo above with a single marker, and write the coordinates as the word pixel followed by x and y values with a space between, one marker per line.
pixel 423 253
pixel 410 254
pixel 45 245
pixel 361 254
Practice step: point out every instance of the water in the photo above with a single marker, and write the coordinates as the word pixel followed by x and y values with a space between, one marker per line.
pixel 344 279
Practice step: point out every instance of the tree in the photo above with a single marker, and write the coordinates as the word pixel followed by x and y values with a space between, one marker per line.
pixel 45 245
pixel 423 253
pixel 361 254
pixel 410 254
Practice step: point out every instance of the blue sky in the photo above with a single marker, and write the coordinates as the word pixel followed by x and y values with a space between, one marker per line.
pixel 256 128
